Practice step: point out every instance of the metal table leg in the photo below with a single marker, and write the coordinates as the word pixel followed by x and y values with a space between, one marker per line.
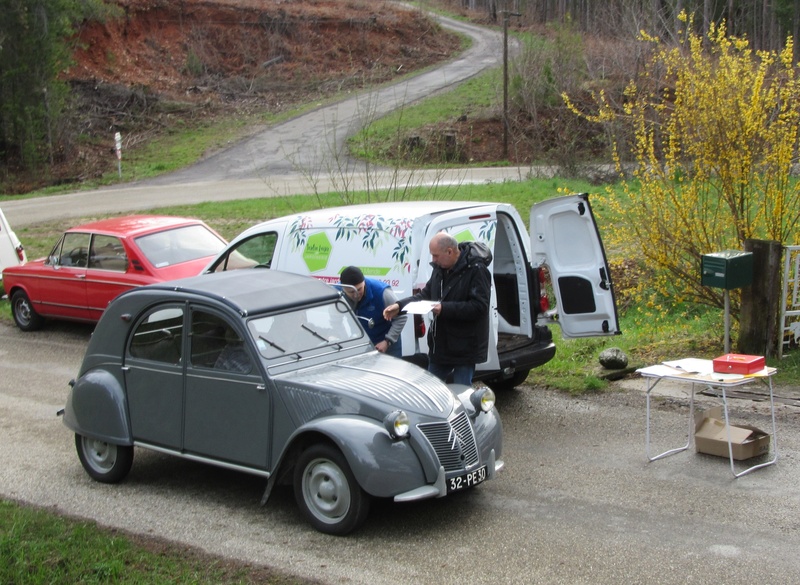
pixel 774 434
pixel 652 382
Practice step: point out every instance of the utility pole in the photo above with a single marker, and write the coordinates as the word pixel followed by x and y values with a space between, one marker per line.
pixel 506 15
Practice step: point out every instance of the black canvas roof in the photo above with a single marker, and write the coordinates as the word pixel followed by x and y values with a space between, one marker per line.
pixel 254 290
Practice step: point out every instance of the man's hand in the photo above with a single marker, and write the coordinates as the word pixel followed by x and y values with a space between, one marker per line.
pixel 391 311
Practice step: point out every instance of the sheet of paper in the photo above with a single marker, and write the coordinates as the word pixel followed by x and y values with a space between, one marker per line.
pixel 693 365
pixel 659 371
pixel 420 307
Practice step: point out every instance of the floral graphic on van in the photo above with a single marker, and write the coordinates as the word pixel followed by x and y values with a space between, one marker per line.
pixel 375 231
pixel 486 232
pixel 464 233
pixel 297 231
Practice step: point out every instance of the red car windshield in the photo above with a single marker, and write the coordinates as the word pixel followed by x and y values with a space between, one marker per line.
pixel 178 245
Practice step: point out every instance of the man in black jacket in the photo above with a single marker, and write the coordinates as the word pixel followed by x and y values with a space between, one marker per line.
pixel 459 334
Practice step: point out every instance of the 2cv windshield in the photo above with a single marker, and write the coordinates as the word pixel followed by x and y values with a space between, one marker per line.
pixel 304 329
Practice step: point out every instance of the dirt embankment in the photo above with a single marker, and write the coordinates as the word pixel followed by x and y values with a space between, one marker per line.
pixel 167 63
pixel 237 48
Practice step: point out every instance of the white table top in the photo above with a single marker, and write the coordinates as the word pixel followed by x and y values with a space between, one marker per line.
pixel 700 371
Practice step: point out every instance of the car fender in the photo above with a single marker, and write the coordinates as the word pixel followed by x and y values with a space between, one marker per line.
pixel 487 426
pixel 96 408
pixel 383 467
pixel 489 434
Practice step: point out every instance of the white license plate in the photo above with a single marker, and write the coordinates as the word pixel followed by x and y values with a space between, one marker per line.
pixel 467 480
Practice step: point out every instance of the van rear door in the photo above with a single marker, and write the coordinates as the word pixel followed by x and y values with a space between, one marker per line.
pixel 564 238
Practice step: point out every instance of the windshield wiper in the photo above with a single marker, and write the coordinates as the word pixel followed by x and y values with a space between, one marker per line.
pixel 322 337
pixel 313 332
pixel 273 344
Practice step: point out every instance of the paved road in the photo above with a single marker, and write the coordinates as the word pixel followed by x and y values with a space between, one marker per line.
pixel 577 502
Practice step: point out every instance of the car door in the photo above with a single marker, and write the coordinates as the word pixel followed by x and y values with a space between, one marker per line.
pixel 565 239
pixel 61 290
pixel 106 274
pixel 153 368
pixel 227 406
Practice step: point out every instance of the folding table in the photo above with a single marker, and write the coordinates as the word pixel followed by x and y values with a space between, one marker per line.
pixel 700 373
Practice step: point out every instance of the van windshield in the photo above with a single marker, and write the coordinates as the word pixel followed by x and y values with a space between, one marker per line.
pixel 307 328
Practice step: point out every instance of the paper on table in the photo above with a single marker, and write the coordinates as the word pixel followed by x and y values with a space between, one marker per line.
pixel 420 307
pixel 659 371
pixel 693 365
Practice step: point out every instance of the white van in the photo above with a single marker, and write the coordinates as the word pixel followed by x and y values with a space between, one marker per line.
pixel 389 242
pixel 12 253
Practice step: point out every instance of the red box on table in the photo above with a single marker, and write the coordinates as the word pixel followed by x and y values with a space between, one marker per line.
pixel 736 363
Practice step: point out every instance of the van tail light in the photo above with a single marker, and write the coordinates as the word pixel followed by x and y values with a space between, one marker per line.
pixel 544 301
pixel 20 253
pixel 419 326
pixel 419 322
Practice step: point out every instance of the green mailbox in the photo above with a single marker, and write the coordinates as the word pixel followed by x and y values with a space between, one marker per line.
pixel 728 269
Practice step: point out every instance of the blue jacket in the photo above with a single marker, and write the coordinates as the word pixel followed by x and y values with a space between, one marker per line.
pixel 371 306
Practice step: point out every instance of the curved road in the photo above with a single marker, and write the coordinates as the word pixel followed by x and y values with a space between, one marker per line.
pixel 304 155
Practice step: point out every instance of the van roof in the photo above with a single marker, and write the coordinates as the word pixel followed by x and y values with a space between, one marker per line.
pixel 390 210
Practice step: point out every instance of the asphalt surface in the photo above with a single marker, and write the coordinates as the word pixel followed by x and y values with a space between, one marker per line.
pixel 576 503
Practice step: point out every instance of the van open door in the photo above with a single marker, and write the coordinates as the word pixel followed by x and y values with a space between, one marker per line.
pixel 564 238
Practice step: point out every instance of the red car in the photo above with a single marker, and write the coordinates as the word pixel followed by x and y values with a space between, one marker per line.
pixel 91 264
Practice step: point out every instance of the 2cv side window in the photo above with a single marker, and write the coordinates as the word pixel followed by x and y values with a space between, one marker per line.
pixel 158 336
pixel 216 344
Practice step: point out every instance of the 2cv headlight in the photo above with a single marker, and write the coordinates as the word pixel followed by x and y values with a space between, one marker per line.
pixel 397 424
pixel 483 399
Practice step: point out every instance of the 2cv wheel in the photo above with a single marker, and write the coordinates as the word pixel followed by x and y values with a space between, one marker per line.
pixel 327 492
pixel 103 461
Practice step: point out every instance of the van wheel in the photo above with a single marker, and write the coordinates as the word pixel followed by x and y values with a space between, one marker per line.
pixel 504 385
pixel 104 462
pixel 26 318
pixel 327 492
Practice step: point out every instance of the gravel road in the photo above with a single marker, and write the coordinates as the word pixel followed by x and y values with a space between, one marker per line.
pixel 577 502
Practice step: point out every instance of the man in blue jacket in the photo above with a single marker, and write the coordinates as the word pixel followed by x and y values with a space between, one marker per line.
pixel 368 298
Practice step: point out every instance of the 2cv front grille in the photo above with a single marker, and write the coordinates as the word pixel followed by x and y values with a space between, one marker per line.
pixel 453 441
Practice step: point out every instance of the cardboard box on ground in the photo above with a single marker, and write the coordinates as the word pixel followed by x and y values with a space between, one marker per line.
pixel 711 436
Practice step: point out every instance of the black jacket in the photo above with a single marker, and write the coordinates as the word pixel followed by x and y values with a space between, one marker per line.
pixel 460 333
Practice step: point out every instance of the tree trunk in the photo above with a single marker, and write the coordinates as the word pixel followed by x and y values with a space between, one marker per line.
pixel 758 323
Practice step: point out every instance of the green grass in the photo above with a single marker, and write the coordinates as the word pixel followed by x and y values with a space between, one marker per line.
pixel 39 547
pixel 474 99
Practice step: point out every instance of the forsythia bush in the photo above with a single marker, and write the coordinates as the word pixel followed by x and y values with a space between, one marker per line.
pixel 716 128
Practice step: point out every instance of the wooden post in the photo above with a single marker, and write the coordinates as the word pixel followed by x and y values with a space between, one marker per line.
pixel 758 322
